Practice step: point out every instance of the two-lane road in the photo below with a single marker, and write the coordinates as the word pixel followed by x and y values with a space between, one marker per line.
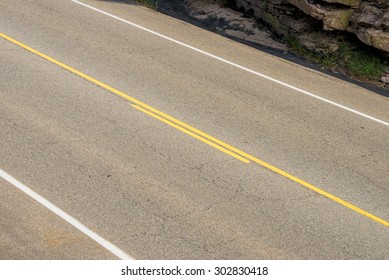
pixel 171 142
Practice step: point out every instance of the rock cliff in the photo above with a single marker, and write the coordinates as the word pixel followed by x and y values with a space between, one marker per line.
pixel 320 24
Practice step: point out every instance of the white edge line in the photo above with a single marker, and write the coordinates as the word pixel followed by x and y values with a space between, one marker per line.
pixel 237 65
pixel 100 240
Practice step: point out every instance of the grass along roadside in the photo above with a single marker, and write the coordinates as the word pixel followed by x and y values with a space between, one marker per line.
pixel 353 59
pixel 148 3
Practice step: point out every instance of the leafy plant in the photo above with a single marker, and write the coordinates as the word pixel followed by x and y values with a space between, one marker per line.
pixel 148 3
pixel 359 60
pixel 362 61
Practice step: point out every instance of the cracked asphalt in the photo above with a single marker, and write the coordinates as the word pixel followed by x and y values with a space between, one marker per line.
pixel 156 192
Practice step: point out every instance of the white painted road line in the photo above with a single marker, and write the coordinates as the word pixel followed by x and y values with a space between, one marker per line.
pixel 237 65
pixel 41 200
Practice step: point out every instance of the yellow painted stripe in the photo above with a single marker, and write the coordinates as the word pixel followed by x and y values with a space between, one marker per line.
pixel 320 191
pixel 220 148
pixel 121 94
pixel 199 134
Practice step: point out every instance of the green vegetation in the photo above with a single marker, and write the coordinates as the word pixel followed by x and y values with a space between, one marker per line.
pixel 148 3
pixel 356 59
pixel 362 61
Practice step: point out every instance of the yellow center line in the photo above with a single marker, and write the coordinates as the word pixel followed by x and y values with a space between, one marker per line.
pixel 224 146
pixel 202 136
pixel 220 148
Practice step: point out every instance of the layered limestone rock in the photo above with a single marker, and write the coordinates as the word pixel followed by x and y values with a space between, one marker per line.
pixel 350 3
pixel 317 20
pixel 333 19
pixel 371 24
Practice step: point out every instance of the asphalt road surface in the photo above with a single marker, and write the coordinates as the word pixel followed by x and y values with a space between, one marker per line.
pixel 111 113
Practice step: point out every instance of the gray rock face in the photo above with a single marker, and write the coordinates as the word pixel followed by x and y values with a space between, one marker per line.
pixel 350 3
pixel 385 79
pixel 310 19
pixel 370 22
pixel 333 19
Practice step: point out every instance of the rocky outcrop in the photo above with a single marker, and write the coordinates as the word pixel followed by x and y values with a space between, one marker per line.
pixel 333 19
pixel 318 24
pixel 231 24
pixel 371 24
